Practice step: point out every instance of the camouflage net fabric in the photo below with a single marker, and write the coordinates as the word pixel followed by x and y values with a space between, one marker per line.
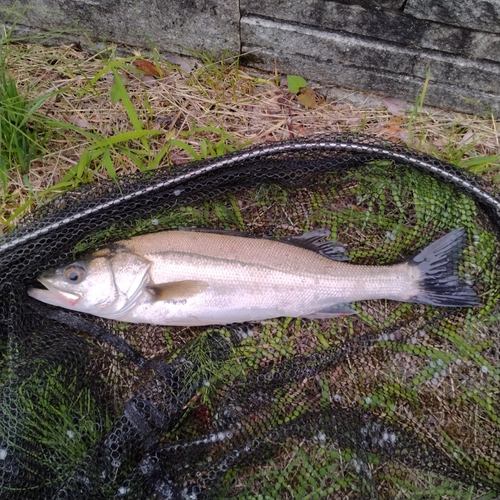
pixel 399 401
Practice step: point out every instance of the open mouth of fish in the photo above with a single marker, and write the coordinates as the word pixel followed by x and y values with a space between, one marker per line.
pixel 51 295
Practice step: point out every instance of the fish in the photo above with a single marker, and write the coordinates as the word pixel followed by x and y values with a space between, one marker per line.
pixel 206 277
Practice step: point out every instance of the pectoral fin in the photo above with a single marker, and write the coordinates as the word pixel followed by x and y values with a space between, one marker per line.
pixel 332 312
pixel 177 290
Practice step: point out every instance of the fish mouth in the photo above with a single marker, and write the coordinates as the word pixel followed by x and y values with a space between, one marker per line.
pixel 53 296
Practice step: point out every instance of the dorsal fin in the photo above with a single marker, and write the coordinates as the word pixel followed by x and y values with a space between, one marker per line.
pixel 315 240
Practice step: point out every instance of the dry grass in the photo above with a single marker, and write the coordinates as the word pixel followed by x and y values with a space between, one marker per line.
pixel 227 104
pixel 219 102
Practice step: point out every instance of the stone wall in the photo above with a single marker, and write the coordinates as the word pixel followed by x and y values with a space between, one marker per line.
pixel 171 25
pixel 381 46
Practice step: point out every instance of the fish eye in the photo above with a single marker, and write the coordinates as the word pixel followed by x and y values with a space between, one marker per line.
pixel 74 273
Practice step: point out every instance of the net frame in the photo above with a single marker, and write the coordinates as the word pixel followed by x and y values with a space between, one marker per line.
pixel 94 208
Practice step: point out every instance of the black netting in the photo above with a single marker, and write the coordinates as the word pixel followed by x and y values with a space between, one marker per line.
pixel 398 401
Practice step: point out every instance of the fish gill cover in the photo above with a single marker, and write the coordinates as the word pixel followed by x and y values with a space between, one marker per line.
pixel 398 401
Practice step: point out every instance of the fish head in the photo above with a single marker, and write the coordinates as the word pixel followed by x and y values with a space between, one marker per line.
pixel 106 283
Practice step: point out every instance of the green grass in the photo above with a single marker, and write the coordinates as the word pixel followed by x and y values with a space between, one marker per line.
pixel 23 132
pixel 27 134
pixel 52 408
pixel 397 210
pixel 219 74
pixel 381 197
pixel 453 149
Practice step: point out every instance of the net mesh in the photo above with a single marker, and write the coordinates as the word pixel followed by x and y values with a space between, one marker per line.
pixel 398 401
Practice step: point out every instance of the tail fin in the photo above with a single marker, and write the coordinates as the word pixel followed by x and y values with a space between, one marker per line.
pixel 440 285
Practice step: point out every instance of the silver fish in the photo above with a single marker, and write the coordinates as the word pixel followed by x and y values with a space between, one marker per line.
pixel 192 278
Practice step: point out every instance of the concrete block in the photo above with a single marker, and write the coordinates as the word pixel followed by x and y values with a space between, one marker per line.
pixel 378 4
pixel 380 46
pixel 485 46
pixel 171 25
pixel 379 24
pixel 349 50
pixel 326 46
pixel 371 65
pixel 482 15
pixel 406 87
pixel 477 75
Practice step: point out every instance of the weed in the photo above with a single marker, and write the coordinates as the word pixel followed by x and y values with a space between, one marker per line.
pixel 22 131
pixel 458 145
pixel 58 412
pixel 295 83
pixel 216 73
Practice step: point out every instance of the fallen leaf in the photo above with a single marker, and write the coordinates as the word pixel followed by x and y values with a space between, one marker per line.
pixel 393 132
pixel 392 129
pixel 468 137
pixel 178 61
pixel 77 120
pixel 148 67
pixel 307 97
pixel 396 107
pixel 178 158
pixel 403 135
pixel 81 122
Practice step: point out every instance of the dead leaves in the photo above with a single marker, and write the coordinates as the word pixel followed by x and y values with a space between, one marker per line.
pixel 148 68
pixel 307 97
pixel 394 132
pixel 396 107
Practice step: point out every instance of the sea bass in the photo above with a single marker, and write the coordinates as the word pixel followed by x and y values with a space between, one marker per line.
pixel 192 278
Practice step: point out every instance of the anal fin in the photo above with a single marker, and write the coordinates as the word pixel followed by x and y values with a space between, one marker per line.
pixel 332 312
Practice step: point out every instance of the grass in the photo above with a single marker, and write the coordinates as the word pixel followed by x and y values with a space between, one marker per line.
pixel 87 117
pixel 23 132
pixel 76 118
pixel 458 145
pixel 99 152
pixel 401 378
pixel 50 407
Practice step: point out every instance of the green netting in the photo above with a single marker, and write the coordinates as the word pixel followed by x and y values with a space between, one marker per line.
pixel 398 401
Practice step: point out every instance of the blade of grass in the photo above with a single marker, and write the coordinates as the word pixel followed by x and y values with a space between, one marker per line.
pixel 118 92
pixel 481 163
pixel 185 147
pixel 108 164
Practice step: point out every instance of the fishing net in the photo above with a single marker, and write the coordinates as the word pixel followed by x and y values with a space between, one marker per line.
pixel 398 401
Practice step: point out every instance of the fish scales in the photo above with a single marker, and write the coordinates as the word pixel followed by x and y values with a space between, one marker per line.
pixel 198 278
pixel 181 255
pixel 270 270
